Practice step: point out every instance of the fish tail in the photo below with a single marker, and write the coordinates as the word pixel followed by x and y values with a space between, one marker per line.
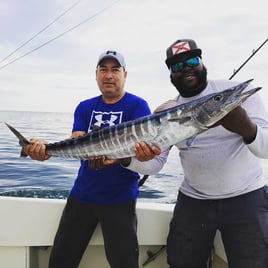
pixel 22 140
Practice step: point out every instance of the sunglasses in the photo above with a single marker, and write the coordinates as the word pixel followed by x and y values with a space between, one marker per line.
pixel 178 67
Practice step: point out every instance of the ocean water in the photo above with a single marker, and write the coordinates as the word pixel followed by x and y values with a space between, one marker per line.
pixel 54 178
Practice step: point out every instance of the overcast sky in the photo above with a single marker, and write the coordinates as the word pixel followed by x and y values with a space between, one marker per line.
pixel 59 75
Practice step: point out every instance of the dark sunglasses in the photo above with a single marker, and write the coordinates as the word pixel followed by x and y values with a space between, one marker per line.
pixel 178 67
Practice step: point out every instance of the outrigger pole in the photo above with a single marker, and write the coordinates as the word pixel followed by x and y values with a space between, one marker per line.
pixel 253 53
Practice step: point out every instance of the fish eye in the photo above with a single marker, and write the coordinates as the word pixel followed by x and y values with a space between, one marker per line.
pixel 218 97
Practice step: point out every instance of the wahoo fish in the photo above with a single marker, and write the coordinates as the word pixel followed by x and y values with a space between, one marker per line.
pixel 163 129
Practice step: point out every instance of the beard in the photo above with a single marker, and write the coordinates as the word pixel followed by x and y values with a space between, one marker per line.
pixel 190 91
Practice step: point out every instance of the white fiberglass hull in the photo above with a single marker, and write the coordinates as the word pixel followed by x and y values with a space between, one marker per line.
pixel 28 226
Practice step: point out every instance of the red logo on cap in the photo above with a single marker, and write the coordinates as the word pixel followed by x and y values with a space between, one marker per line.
pixel 180 47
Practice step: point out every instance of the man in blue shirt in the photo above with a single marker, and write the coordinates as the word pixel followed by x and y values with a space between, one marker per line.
pixel 107 195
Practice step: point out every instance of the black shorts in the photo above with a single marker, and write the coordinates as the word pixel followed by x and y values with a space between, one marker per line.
pixel 242 221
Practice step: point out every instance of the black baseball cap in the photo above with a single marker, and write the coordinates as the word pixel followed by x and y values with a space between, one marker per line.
pixel 182 47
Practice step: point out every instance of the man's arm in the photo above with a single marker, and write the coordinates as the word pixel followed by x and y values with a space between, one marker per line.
pixel 238 121
pixel 255 136
pixel 36 149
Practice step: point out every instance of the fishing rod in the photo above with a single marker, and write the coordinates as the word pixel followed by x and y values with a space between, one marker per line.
pixel 253 53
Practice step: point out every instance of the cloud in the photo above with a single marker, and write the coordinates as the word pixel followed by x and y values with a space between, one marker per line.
pixel 59 75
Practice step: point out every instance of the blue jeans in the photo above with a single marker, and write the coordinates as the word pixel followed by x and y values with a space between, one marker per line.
pixel 78 222
pixel 242 221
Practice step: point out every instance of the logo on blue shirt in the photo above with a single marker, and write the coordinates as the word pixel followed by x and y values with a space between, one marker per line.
pixel 103 119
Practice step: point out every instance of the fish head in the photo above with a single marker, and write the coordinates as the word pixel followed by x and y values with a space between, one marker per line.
pixel 215 106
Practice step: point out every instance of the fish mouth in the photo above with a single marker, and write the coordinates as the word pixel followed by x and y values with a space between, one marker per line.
pixel 223 103
pixel 239 95
pixel 244 95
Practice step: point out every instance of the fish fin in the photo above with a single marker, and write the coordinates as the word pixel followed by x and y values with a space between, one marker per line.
pixel 23 154
pixel 190 141
pixel 181 120
pixel 22 140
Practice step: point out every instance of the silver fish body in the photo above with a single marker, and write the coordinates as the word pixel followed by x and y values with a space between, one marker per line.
pixel 163 129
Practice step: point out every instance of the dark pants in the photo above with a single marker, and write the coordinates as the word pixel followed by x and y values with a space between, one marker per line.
pixel 242 221
pixel 79 220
